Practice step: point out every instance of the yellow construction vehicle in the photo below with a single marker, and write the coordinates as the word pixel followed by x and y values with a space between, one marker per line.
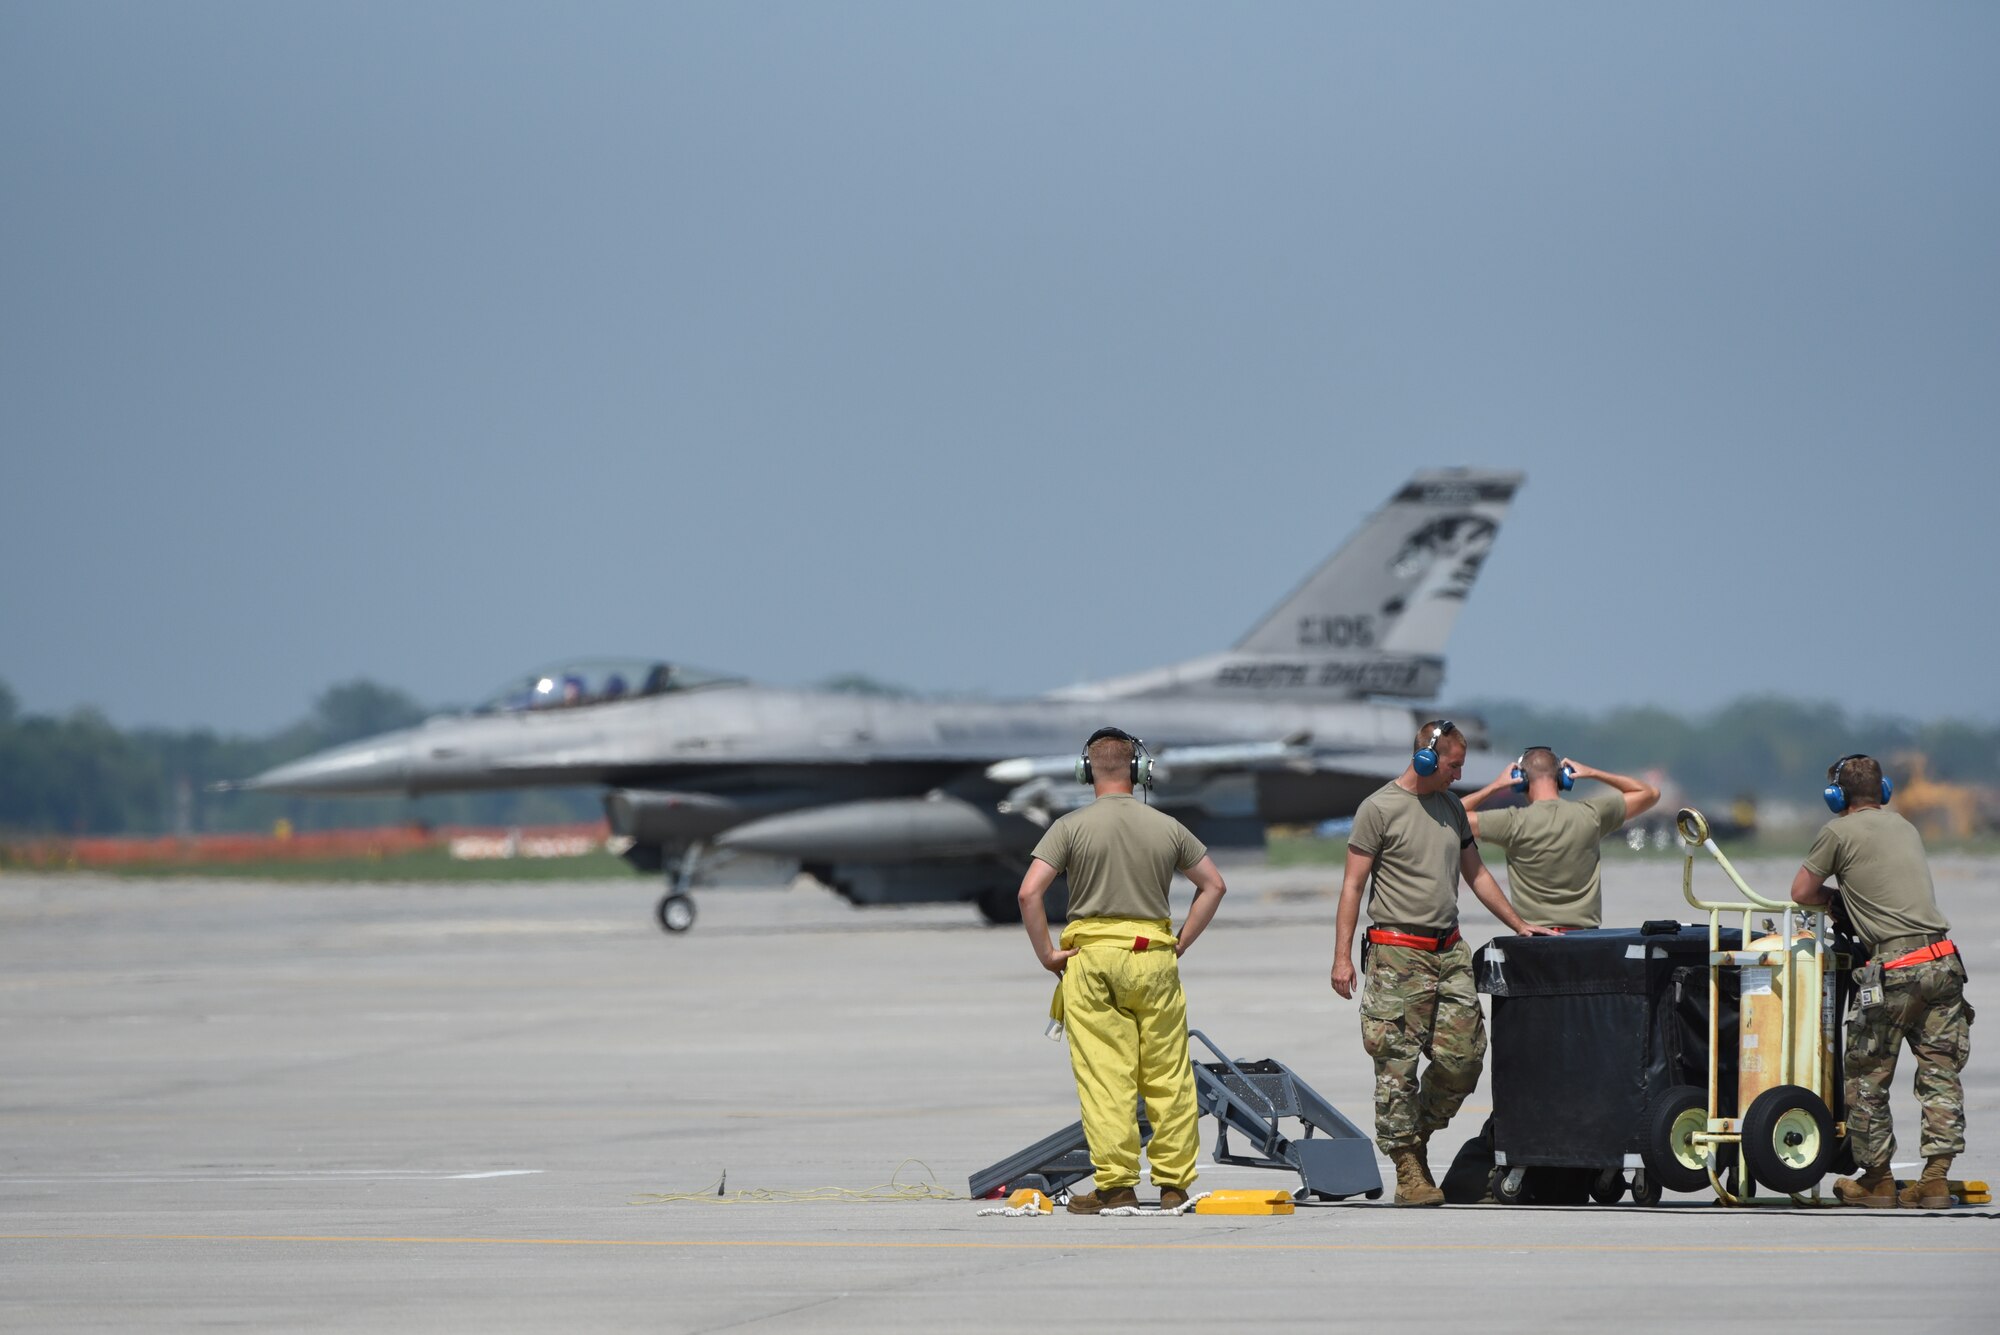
pixel 1939 809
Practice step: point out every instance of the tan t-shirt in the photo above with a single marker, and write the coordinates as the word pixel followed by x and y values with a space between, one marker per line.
pixel 1121 856
pixel 1551 847
pixel 1885 880
pixel 1415 842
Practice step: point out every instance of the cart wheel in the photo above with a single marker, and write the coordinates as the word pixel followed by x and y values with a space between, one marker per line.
pixel 1608 1187
pixel 1788 1138
pixel 1673 1161
pixel 1645 1188
pixel 1510 1185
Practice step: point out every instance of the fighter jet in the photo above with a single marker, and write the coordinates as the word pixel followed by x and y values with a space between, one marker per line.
pixel 890 800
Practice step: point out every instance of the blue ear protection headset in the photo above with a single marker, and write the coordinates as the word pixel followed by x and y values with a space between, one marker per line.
pixel 1566 780
pixel 1425 761
pixel 1142 760
pixel 1836 796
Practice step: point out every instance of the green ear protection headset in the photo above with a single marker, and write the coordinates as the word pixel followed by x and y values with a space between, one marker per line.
pixel 1142 760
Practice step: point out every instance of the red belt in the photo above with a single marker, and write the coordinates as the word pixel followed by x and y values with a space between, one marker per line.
pixel 1378 937
pixel 1924 955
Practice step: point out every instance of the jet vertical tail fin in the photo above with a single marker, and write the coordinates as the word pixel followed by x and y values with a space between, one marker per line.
pixel 1398 584
pixel 1373 619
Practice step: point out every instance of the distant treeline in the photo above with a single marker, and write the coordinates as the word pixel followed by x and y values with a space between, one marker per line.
pixel 78 774
pixel 1760 746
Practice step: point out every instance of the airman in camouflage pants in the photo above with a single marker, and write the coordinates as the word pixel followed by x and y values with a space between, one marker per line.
pixel 1420 1003
pixel 1925 1006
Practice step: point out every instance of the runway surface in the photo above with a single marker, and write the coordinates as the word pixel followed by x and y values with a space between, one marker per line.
pixel 445 1107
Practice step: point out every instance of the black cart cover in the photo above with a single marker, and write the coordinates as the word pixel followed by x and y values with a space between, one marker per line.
pixel 1587 1028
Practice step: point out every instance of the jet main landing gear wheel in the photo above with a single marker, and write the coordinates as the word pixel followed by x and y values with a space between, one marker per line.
pixel 676 911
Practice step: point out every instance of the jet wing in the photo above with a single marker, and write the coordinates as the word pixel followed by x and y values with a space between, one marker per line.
pixel 1042 787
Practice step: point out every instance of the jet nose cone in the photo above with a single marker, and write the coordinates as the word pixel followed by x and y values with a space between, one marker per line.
pixel 378 765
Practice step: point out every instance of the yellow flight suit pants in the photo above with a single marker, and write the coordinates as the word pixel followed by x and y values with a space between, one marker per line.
pixel 1127 1023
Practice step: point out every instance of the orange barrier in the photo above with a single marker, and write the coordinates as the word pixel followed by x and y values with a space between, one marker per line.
pixel 310 846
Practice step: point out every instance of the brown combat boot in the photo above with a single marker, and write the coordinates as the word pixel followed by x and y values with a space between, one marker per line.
pixel 1091 1202
pixel 1932 1191
pixel 1875 1189
pixel 1413 1178
pixel 1172 1198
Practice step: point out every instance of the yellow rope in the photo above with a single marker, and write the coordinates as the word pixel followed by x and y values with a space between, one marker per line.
pixel 895 1189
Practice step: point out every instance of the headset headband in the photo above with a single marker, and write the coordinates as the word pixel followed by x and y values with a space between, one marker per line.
pixel 1835 791
pixel 1141 768
pixel 1565 776
pixel 1425 761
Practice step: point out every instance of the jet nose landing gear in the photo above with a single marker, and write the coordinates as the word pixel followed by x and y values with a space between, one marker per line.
pixel 676 910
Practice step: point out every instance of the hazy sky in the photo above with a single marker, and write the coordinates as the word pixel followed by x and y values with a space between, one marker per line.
pixel 988 348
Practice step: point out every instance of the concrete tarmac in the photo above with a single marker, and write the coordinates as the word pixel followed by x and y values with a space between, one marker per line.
pixel 454 1107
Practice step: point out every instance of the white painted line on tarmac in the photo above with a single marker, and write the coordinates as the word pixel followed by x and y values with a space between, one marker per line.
pixel 273 1175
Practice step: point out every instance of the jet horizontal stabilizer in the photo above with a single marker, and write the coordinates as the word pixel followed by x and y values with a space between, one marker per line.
pixel 1371 621
pixel 1210 780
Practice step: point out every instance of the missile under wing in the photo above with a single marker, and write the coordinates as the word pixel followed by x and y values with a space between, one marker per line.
pixel 899 800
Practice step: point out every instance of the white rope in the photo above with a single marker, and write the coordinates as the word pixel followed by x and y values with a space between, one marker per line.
pixel 1019 1211
pixel 1153 1212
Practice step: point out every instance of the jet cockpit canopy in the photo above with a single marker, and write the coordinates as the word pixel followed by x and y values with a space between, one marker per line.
pixel 596 681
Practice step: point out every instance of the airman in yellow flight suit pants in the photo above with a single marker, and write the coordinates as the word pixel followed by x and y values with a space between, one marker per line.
pixel 1127 1023
pixel 1121 993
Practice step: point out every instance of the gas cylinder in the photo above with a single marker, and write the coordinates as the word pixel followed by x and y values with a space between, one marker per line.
pixel 1761 1008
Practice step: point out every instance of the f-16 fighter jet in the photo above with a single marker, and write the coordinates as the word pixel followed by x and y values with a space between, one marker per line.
pixel 893 801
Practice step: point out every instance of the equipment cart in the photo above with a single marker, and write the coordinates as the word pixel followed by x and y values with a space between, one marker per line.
pixel 1591 1029
pixel 1791 986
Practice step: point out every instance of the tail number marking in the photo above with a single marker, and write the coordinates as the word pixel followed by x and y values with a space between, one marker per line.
pixel 1357 632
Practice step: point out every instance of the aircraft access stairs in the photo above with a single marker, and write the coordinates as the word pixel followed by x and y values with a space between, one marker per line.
pixel 1333 1157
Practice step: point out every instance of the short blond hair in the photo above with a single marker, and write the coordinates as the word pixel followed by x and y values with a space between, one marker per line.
pixel 1540 762
pixel 1111 756
pixel 1435 732
pixel 1860 777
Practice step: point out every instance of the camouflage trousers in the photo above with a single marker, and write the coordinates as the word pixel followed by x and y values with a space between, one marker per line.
pixel 1420 1003
pixel 1925 1006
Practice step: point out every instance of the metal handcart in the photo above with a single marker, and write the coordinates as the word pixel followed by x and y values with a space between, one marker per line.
pixel 1790 1131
